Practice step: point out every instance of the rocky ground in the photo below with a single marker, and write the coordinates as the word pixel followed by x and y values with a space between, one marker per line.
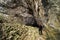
pixel 25 19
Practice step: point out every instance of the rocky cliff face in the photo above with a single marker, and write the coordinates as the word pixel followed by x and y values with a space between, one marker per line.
pixel 22 19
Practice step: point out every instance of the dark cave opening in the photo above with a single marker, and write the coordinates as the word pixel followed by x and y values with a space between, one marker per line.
pixel 40 27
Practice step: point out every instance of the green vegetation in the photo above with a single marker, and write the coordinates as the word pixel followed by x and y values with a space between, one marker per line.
pixel 12 25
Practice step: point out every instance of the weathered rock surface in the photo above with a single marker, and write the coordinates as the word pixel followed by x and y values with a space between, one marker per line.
pixel 15 15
